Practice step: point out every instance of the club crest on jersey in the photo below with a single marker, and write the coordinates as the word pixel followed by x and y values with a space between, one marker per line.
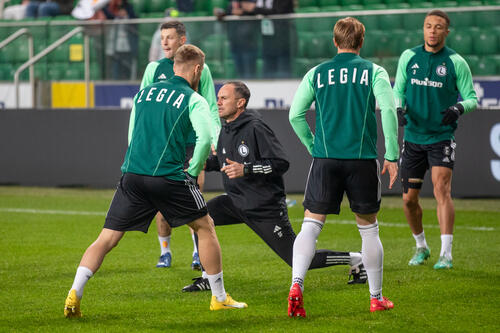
pixel 243 150
pixel 441 70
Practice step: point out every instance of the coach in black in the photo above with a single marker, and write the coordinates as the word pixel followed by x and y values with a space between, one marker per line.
pixel 252 162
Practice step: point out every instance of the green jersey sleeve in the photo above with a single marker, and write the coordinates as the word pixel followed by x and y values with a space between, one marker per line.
pixel 149 74
pixel 400 83
pixel 199 115
pixel 464 83
pixel 207 90
pixel 300 105
pixel 383 94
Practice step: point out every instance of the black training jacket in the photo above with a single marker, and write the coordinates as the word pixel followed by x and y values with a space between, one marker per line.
pixel 260 194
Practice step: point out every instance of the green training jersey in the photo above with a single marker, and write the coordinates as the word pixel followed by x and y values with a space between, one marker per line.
pixel 428 83
pixel 344 90
pixel 165 114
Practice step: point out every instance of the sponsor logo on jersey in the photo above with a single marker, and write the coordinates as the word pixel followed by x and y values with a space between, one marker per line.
pixel 441 70
pixel 243 150
pixel 162 77
pixel 427 82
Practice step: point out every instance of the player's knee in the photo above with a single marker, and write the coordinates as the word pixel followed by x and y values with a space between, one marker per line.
pixel 442 190
pixel 410 201
pixel 410 182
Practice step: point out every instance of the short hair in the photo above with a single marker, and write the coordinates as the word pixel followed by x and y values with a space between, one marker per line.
pixel 440 13
pixel 189 54
pixel 349 33
pixel 179 27
pixel 241 90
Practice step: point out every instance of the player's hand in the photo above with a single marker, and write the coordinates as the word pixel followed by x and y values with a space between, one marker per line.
pixel 392 167
pixel 451 114
pixel 401 117
pixel 191 179
pixel 233 169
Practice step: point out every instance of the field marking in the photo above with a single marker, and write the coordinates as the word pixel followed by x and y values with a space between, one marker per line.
pixel 403 225
pixel 350 222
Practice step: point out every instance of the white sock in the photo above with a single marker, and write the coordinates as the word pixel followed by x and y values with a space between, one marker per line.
pixel 420 240
pixel 164 244
pixel 217 286
pixel 356 258
pixel 373 258
pixel 195 248
pixel 204 275
pixel 83 274
pixel 446 243
pixel 304 249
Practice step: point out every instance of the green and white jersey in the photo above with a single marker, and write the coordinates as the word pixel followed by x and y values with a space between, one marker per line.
pixel 428 83
pixel 344 90
pixel 163 69
pixel 165 114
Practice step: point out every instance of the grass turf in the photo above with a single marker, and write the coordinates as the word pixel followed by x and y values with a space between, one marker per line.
pixel 46 231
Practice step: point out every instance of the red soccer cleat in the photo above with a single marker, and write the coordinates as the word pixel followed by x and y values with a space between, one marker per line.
pixel 384 304
pixel 296 302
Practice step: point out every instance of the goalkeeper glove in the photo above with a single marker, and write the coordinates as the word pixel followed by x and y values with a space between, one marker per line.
pixel 401 117
pixel 451 114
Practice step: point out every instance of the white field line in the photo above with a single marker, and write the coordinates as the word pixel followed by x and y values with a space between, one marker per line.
pixel 351 222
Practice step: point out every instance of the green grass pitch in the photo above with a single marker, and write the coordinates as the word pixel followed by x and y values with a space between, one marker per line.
pixel 44 233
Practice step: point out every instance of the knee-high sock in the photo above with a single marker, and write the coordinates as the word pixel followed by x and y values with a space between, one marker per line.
pixel 373 258
pixel 83 274
pixel 304 249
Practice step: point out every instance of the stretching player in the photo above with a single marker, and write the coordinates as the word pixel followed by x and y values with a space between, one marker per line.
pixel 252 162
pixel 154 179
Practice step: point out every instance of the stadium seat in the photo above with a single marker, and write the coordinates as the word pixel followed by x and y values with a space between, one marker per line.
pixel 56 71
pixel 421 4
pixel 307 3
pixel 393 4
pixel 472 61
pixel 485 43
pixel 484 67
pixel 463 3
pixel 460 41
pixel 413 21
pixel 313 9
pixel 140 6
pixel 461 19
pixel 487 19
pixel 301 66
pixel 304 24
pixel 411 39
pixel 326 3
pixel 444 3
pixel 390 22
pixel 74 72
pixel 390 64
pixel 229 69
pixel 216 68
pixel 495 59
pixel 369 21
pixel 324 24
pixel 214 46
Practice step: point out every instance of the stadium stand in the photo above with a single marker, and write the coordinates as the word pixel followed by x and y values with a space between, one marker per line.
pixel 474 34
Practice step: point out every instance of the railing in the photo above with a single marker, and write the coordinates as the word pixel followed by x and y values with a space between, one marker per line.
pixel 10 39
pixel 49 49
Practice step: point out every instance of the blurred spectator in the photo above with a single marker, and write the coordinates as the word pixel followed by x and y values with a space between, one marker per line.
pixel 121 41
pixel 243 38
pixel 276 37
pixel 89 10
pixel 48 8
pixel 185 6
pixel 15 12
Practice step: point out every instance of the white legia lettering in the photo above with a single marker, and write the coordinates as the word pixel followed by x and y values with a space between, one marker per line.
pixel 178 101
pixel 170 96
pixel 161 94
pixel 331 77
pixel 343 75
pixel 364 77
pixel 150 93
pixel 320 85
pixel 139 100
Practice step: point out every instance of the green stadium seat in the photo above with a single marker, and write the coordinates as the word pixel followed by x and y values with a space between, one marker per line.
pixel 229 69
pixel 354 7
pixel 421 4
pixel 369 21
pixel 496 60
pixel 371 42
pixel 472 61
pixel 304 24
pixel 492 2
pixel 393 4
pixel 326 3
pixel 140 6
pixel 444 3
pixel 95 72
pixel 311 9
pixel 484 67
pixel 413 21
pixel 463 3
pixel 307 3
pixel 332 9
pixel 301 66
pixel 346 3
pixel 487 19
pixel 216 68
pixel 460 20
pixel 214 46
pixel 56 71
pixel 390 22
pixel 460 41
pixel 74 72
pixel 485 43
pixel 219 3
pixel 411 39
pixel 324 24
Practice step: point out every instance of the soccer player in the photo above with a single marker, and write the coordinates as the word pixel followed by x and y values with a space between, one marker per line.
pixel 344 154
pixel 428 80
pixel 252 162
pixel 173 36
pixel 154 179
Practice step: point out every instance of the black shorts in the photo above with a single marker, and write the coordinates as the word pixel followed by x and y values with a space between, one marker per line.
pixel 138 198
pixel 278 235
pixel 417 158
pixel 329 178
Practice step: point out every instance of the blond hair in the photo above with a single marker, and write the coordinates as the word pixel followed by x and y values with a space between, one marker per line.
pixel 349 33
pixel 189 54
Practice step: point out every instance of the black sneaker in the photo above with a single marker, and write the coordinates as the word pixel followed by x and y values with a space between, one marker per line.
pixel 199 284
pixel 357 274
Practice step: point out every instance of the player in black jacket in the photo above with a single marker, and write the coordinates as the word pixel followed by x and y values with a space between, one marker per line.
pixel 252 162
